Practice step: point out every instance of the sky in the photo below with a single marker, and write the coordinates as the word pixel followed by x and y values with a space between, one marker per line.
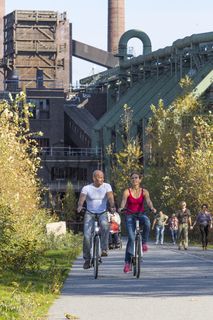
pixel 163 20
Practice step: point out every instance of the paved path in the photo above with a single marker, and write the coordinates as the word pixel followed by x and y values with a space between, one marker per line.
pixel 174 284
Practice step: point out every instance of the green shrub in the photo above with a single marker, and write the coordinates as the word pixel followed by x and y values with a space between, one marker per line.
pixel 67 241
pixel 22 221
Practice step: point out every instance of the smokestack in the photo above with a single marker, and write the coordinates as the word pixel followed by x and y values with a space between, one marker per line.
pixel 116 23
pixel 2 13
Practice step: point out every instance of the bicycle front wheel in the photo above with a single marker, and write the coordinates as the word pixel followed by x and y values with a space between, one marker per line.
pixel 96 255
pixel 137 256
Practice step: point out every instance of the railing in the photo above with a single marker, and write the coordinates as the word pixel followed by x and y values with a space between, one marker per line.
pixel 71 152
pixel 36 15
pixel 17 84
pixel 61 186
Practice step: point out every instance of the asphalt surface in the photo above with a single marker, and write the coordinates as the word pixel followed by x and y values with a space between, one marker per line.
pixel 174 284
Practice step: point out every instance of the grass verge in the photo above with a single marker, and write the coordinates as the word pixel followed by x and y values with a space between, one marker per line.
pixel 28 295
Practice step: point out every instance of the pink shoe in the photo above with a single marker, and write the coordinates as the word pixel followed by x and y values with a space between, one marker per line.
pixel 127 267
pixel 144 247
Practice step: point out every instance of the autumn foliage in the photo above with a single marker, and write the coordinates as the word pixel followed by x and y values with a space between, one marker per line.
pixel 128 158
pixel 22 221
pixel 181 163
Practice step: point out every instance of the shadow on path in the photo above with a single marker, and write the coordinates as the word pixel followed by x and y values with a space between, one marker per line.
pixel 166 272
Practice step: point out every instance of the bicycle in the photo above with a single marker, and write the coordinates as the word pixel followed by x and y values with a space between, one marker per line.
pixel 96 258
pixel 138 252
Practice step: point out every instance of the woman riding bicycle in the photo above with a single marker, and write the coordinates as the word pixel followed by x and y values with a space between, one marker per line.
pixel 133 202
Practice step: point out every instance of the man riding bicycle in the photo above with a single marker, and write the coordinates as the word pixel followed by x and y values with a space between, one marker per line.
pixel 96 196
pixel 133 202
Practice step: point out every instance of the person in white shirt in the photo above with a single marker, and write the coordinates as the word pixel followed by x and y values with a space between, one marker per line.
pixel 96 195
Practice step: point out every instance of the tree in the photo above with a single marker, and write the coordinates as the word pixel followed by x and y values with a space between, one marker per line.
pixel 181 143
pixel 69 203
pixel 22 221
pixel 128 158
pixel 190 177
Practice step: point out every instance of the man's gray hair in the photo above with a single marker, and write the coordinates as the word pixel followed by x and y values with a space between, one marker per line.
pixel 96 171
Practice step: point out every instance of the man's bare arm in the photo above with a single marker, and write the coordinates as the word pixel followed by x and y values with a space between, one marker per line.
pixel 166 219
pixel 153 225
pixel 110 197
pixel 81 200
pixel 190 221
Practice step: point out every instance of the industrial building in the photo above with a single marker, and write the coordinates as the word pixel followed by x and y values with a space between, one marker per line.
pixel 79 124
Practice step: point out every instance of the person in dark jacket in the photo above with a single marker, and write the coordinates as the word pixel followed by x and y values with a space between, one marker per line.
pixel 204 221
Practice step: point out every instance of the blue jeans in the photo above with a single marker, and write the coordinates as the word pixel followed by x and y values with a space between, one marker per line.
pixel 174 235
pixel 88 229
pixel 159 234
pixel 114 238
pixel 130 227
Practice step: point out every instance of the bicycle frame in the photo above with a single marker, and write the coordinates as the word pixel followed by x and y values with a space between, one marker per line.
pixel 137 250
pixel 96 259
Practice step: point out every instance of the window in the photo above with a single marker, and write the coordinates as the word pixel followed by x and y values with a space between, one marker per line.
pixel 69 173
pixel 40 108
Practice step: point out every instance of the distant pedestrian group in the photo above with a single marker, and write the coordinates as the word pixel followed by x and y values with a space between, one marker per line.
pixel 179 225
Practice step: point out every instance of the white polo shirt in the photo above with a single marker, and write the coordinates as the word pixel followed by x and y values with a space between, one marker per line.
pixel 96 197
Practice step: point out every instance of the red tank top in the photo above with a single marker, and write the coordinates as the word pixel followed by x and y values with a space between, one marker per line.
pixel 135 204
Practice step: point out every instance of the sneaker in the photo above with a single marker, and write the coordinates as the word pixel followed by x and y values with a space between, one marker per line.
pixel 144 247
pixel 111 247
pixel 104 253
pixel 117 246
pixel 127 267
pixel 86 264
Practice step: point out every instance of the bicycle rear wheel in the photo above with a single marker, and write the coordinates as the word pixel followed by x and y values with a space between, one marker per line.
pixel 137 267
pixel 96 255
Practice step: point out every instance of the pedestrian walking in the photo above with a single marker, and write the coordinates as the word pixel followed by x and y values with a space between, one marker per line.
pixel 173 227
pixel 204 221
pixel 184 219
pixel 159 225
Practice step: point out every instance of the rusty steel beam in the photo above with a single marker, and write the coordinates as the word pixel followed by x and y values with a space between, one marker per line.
pixel 92 54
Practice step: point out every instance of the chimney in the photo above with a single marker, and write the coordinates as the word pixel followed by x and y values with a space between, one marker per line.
pixel 2 13
pixel 116 23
